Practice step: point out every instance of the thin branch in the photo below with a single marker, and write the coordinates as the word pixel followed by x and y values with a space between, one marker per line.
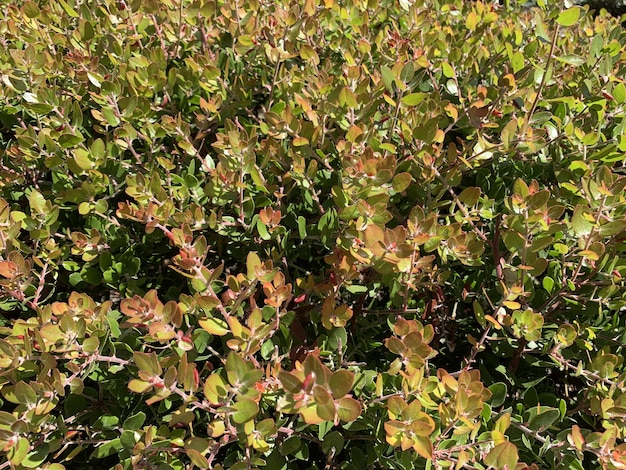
pixel 544 79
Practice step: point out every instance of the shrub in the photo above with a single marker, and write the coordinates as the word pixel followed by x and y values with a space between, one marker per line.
pixel 358 234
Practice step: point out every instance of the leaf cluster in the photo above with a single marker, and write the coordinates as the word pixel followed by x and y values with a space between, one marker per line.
pixel 319 234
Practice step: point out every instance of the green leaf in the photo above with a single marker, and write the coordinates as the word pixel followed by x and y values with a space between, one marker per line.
pixel 571 59
pixel 401 182
pixel 68 139
pixel 253 263
pixel 518 61
pixel 340 383
pixel 520 188
pixel 388 77
pixel 333 442
pixel 348 409
pixel 128 439
pixel 197 458
pixel 542 417
pixel 302 227
pixel 107 422
pixel 25 394
pixel 580 223
pixel 619 93
pixel 37 456
pixel 498 394
pixel 470 196
pixel 236 368
pixel 106 449
pixel 244 410
pixel 613 228
pixel 135 421
pixel 447 69
pixel 31 9
pixel 308 53
pixel 215 389
pixel 97 148
pixel 290 382
pixel 290 445
pixel 413 99
pixel 548 284
pixel 68 9
pixel 18 452
pixel 569 17
pixel 36 202
pixel 91 345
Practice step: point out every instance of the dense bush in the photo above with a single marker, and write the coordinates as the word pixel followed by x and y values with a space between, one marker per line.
pixel 329 235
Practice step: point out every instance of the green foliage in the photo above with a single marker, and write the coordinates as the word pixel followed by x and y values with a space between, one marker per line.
pixel 338 234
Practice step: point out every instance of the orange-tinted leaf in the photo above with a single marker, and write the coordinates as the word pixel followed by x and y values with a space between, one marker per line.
pixel 502 456
pixel 8 269
pixel 423 446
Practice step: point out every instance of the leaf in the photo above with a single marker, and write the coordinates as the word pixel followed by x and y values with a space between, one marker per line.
pixel 290 445
pixel 236 368
pixel 36 202
pixel 25 393
pixel 571 59
pixel 542 417
pixel 401 182
pixel 308 53
pixel 8 269
pixel 135 421
pixel 348 409
pixel 423 446
pixel 539 199
pixel 548 284
pixel 68 9
pixel 520 188
pixel 469 196
pixel 580 224
pixel 215 389
pixel 388 77
pixel 290 382
pixel 613 228
pixel 568 17
pixel 19 451
pixel 322 397
pixel 503 456
pixel 106 449
pixel 510 304
pixel 518 61
pixel 215 326
pixel 253 263
pixel 147 362
pixel 498 394
pixel 414 99
pixel 302 227
pixel 333 443
pixel 197 458
pixel 139 386
pixel 38 455
pixel 31 9
pixel 340 383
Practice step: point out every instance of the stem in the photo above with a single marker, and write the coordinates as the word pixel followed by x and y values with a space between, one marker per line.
pixel 544 79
